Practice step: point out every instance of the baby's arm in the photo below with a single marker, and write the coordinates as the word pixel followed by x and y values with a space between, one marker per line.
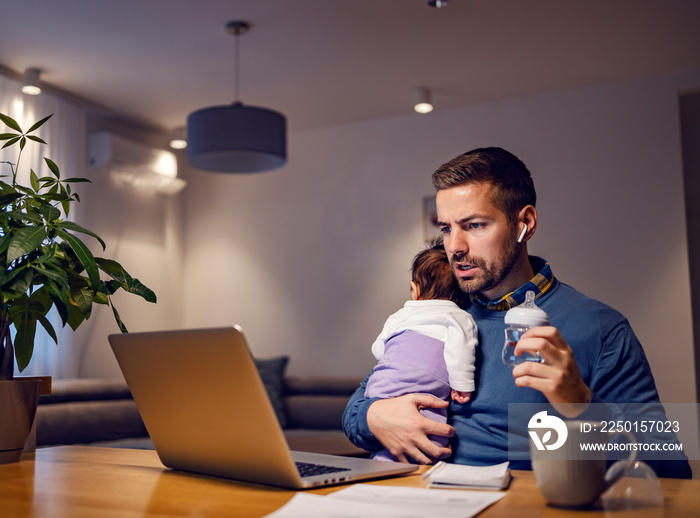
pixel 378 345
pixel 460 348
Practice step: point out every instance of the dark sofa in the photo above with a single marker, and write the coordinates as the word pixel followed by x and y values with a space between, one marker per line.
pixel 102 412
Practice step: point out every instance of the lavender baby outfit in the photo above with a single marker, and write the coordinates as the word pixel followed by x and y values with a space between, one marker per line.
pixel 427 347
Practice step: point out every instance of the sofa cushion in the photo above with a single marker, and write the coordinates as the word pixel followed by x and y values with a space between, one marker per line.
pixel 272 373
pixel 317 412
pixel 318 402
pixel 78 422
pixel 64 390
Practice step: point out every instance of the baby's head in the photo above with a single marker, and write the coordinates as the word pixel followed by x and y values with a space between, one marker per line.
pixel 432 277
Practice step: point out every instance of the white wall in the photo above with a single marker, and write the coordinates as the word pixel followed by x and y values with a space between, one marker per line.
pixel 144 232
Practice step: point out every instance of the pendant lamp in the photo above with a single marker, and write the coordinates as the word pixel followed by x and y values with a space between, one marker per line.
pixel 236 138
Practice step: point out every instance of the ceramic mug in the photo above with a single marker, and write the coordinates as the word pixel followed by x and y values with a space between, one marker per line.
pixel 573 473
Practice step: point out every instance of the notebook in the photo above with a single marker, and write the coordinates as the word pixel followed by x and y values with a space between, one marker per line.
pixel 206 411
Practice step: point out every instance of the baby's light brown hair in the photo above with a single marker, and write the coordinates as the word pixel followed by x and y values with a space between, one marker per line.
pixel 432 273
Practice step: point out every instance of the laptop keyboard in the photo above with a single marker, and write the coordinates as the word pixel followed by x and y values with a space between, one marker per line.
pixel 307 469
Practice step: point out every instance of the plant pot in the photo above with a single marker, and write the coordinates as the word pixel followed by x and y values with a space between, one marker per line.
pixel 18 402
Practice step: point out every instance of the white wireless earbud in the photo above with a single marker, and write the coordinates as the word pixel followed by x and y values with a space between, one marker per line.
pixel 522 234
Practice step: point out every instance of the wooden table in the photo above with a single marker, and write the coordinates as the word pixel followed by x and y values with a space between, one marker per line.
pixel 76 482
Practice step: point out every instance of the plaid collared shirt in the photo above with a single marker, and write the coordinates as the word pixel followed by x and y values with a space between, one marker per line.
pixel 540 283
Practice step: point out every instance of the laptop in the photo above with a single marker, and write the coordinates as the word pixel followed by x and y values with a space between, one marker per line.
pixel 206 410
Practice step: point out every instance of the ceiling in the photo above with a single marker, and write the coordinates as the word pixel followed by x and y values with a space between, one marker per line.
pixel 330 62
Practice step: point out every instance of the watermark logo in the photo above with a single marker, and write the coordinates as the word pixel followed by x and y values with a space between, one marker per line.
pixel 541 427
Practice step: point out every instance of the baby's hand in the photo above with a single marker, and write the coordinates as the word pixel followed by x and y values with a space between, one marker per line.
pixel 460 397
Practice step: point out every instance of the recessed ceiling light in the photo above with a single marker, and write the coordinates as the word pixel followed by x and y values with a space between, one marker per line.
pixel 424 103
pixel 32 83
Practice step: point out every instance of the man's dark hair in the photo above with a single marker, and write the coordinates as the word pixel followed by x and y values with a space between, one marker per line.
pixel 432 273
pixel 514 188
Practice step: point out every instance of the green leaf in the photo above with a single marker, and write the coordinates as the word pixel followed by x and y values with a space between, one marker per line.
pixel 24 342
pixel 54 194
pixel 16 282
pixel 75 318
pixel 22 216
pixel 23 315
pixel 38 124
pixel 69 225
pixel 11 142
pixel 49 212
pixel 47 181
pixel 7 199
pixel 60 300
pixel 78 314
pixel 114 270
pixel 36 139
pixel 100 298
pixel 82 298
pixel 42 274
pixel 71 263
pixel 54 168
pixel 33 180
pixel 46 324
pixel 5 242
pixel 138 288
pixel 39 305
pixel 10 122
pixel 113 286
pixel 24 241
pixel 121 325
pixel 48 255
pixel 83 255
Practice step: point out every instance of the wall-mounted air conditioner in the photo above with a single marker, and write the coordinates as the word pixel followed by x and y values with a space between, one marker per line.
pixel 135 164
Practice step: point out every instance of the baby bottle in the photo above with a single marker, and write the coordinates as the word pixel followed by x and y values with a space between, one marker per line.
pixel 519 319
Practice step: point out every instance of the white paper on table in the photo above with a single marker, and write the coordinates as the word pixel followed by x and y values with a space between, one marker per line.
pixel 306 505
pixel 362 500
pixel 421 501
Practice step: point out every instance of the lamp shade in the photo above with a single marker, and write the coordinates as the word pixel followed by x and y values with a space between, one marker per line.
pixel 236 139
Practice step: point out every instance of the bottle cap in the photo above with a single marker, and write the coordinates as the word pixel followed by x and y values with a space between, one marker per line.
pixel 527 313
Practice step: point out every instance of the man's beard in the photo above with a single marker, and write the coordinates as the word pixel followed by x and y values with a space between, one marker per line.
pixel 490 274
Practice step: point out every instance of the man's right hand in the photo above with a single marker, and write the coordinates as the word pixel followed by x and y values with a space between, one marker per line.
pixel 399 426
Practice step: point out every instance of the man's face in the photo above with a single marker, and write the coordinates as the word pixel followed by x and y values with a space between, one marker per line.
pixel 480 243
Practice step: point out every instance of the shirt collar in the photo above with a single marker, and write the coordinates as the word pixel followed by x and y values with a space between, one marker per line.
pixel 540 284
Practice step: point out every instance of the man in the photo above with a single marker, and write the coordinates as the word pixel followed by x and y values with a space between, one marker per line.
pixel 486 210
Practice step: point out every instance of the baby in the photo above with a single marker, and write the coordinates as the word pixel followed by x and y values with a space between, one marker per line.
pixel 427 346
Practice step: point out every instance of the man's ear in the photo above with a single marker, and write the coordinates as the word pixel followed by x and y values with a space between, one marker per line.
pixel 415 291
pixel 527 221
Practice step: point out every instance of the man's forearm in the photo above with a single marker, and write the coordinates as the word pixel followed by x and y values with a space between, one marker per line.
pixel 355 421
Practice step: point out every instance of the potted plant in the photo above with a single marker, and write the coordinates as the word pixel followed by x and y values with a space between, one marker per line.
pixel 44 265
